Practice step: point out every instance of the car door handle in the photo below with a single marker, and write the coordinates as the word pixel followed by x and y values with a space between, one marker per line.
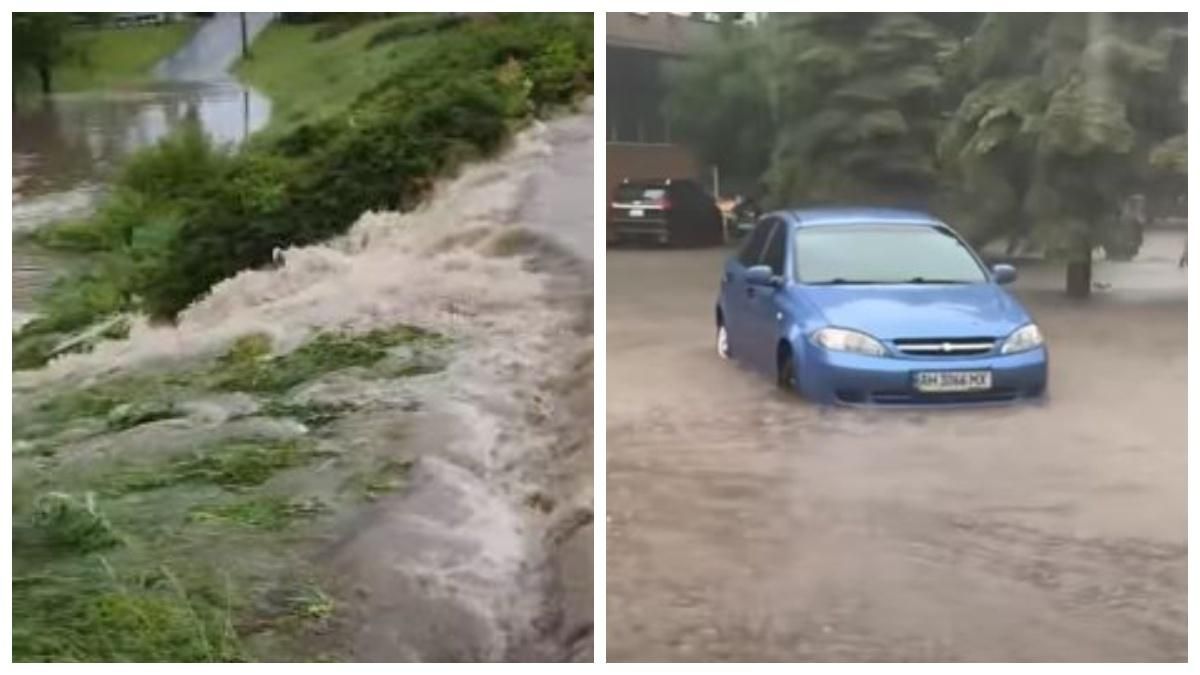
pixel 750 292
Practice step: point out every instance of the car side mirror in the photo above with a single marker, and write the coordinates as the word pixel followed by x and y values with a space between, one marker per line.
pixel 761 275
pixel 1004 274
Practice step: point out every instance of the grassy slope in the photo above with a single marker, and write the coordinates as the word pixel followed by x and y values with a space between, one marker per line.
pixel 116 57
pixel 307 78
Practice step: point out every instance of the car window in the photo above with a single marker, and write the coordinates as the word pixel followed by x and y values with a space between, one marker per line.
pixel 883 253
pixel 645 193
pixel 752 250
pixel 774 254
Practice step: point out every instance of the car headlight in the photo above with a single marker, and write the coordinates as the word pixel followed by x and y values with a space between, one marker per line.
pixel 1022 340
pixel 842 340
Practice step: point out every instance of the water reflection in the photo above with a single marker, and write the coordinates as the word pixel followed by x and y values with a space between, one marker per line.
pixel 67 147
pixel 71 140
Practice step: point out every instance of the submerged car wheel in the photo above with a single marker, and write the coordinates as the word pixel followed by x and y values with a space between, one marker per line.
pixel 722 341
pixel 785 377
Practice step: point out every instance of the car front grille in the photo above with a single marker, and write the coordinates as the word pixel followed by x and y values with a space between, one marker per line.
pixel 916 398
pixel 945 347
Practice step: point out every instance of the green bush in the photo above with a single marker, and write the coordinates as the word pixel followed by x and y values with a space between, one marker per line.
pixel 415 24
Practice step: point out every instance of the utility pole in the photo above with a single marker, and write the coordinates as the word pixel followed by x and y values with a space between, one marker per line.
pixel 245 42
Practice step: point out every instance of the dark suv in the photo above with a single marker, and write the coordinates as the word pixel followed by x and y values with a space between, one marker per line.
pixel 665 210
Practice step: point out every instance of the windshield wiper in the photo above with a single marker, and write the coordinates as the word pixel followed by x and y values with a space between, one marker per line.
pixel 838 281
pixel 934 280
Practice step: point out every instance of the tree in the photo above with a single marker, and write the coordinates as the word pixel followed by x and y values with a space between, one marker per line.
pixel 1057 128
pixel 39 44
pixel 718 103
pixel 858 98
pixel 824 107
pixel 1035 127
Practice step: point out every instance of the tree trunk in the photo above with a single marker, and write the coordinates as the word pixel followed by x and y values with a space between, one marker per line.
pixel 45 76
pixel 1079 278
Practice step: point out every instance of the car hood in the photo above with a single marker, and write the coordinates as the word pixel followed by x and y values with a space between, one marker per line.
pixel 919 311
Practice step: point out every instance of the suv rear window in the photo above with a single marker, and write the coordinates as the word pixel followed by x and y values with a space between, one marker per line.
pixel 645 193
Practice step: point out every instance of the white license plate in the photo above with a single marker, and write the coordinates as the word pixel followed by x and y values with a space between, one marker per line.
pixel 636 213
pixel 953 380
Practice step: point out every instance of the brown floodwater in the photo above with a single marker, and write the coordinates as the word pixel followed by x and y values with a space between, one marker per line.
pixel 747 524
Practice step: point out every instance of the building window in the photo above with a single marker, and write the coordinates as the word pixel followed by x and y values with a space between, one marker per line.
pixel 636 95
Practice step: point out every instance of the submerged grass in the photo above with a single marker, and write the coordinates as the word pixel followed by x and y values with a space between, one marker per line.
pixel 133 556
pixel 247 367
pixel 269 512
pixel 387 475
pixel 231 465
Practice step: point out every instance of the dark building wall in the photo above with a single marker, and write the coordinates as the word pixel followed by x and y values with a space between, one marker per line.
pixel 636 94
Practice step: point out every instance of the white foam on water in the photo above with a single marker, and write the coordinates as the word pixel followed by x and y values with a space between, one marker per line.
pixel 457 265
pixel 435 267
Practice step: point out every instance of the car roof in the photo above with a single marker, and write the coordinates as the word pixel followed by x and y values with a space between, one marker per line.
pixel 855 215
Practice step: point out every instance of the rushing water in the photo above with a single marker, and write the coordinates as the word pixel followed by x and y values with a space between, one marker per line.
pixel 67 147
pixel 458 566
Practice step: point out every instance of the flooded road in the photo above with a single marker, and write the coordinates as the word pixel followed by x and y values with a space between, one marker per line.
pixel 66 147
pixel 745 524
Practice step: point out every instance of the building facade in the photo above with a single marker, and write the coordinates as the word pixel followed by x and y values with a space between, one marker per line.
pixel 640 47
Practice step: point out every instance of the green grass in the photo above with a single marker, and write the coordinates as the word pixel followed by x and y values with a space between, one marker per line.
pixel 87 612
pixel 307 78
pixel 119 57
pixel 231 465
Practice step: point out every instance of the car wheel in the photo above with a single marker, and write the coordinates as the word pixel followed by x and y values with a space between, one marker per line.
pixel 786 375
pixel 723 342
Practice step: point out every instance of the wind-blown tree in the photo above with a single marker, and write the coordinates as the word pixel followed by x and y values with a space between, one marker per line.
pixel 985 147
pixel 718 102
pixel 858 97
pixel 1058 125
pixel 40 45
pixel 1022 126
pixel 824 107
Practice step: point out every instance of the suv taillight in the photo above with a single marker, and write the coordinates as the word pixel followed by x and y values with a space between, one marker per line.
pixel 665 203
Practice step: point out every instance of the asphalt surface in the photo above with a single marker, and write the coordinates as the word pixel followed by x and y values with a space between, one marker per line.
pixel 747 524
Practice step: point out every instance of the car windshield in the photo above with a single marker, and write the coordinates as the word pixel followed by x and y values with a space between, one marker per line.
pixel 640 193
pixel 883 254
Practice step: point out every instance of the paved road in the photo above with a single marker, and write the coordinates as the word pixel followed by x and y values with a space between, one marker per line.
pixel 213 49
pixel 746 524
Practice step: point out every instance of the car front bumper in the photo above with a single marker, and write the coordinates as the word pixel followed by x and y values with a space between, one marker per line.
pixel 854 379
pixel 639 227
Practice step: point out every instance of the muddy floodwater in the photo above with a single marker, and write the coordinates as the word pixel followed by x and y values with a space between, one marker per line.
pixel 746 524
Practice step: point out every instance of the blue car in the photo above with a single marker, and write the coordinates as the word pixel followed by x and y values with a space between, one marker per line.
pixel 876 306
